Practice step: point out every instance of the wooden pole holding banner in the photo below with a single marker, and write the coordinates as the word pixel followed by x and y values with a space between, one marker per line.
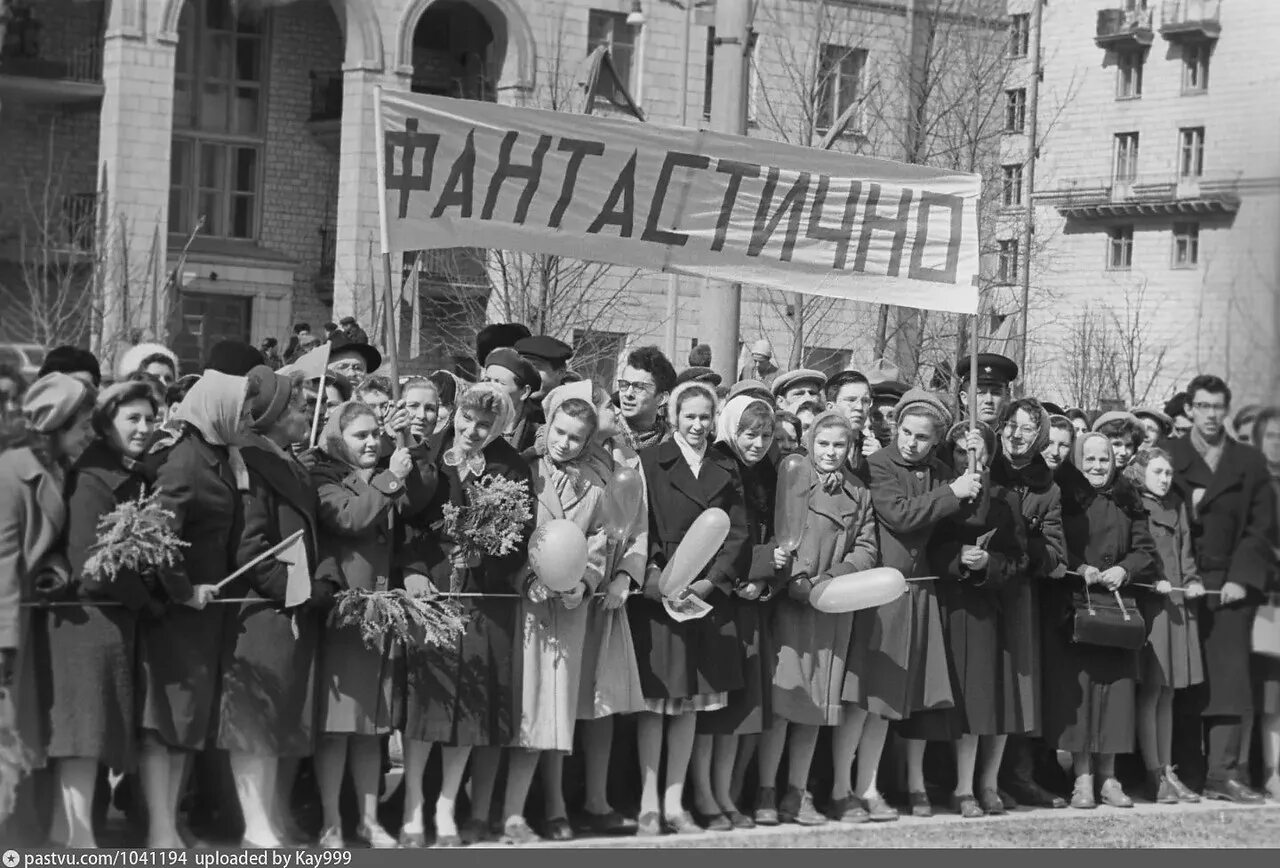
pixel 315 416
pixel 388 296
pixel 973 389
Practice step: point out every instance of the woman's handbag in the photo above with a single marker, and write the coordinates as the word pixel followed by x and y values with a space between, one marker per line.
pixel 1266 629
pixel 1106 620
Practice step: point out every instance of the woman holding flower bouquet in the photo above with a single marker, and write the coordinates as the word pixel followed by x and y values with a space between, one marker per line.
pixel 357 509
pixel 462 695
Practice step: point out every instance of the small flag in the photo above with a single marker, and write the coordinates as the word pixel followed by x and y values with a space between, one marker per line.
pixel 298 587
pixel 312 364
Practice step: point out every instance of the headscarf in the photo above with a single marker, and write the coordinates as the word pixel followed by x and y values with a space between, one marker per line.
pixel 331 440
pixel 580 389
pixel 1077 456
pixel 474 463
pixel 1042 435
pixel 673 402
pixel 831 481
pixel 731 419
pixel 213 408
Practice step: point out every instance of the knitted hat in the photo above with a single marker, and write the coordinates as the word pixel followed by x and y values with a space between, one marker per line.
pixel 234 357
pixel 52 401
pixel 271 392
pixel 919 399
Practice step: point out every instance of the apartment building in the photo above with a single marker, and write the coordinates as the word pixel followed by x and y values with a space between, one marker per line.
pixel 232 147
pixel 1156 197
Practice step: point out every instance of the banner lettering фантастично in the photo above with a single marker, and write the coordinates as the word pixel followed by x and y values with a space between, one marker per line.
pixel 467 173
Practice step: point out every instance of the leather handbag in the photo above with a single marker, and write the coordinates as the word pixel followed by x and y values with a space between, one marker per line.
pixel 1266 629
pixel 1107 620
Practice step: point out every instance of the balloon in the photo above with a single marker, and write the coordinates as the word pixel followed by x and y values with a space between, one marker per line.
pixel 701 543
pixel 791 506
pixel 558 554
pixel 622 502
pixel 854 591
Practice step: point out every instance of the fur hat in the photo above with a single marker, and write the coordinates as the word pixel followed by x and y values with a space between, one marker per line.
pixel 131 359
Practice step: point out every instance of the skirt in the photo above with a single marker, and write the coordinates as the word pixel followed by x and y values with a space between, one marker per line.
pixel 685 660
pixel 610 679
pixel 550 679
pixel 748 710
pixel 1172 657
pixel 180 656
pixel 360 687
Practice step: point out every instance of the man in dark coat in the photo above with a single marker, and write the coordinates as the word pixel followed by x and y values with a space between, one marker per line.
pixel 1233 525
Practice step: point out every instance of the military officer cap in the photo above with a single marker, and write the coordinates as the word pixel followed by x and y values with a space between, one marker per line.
pixel 993 370
pixel 544 347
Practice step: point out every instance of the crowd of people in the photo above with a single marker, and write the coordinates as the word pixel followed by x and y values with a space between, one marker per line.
pixel 1018 532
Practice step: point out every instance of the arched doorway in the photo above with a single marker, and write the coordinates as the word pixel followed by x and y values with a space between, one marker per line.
pixel 454 52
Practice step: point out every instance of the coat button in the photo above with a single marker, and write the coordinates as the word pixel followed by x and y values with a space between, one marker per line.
pixel 393 485
pixel 919 474
pixel 913 552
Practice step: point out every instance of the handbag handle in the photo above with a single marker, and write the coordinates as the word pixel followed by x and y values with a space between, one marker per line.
pixel 1088 600
pixel 1120 603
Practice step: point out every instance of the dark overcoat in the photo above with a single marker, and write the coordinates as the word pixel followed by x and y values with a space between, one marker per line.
pixel 268 703
pixel 697 657
pixel 1233 535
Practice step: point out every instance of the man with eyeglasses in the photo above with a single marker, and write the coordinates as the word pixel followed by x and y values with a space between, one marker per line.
pixel 849 394
pixel 794 388
pixel 643 387
pixel 1233 533
pixel 353 360
pixel 995 373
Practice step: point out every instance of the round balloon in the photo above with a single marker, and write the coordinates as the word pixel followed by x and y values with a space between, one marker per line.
pixel 558 554
pixel 701 543
pixel 855 591
pixel 623 496
pixel 791 506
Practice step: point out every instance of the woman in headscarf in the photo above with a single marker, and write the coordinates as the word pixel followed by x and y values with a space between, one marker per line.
pixel 976 555
pixel 811 647
pixel 448 387
pixel 92 649
pixel 1266 670
pixel 692 665
pixel 200 479
pixel 463 697
pixel 268 704
pixel 1091 708
pixel 33 564
pixel 553 623
pixel 744 434
pixel 357 510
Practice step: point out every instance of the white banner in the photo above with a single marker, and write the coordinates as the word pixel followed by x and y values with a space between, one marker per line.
pixel 459 173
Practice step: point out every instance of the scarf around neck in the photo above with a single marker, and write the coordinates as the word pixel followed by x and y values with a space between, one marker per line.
pixel 829 482
pixel 1210 452
pixel 473 463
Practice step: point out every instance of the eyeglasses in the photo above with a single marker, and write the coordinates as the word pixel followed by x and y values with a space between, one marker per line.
pixel 1024 430
pixel 1205 407
pixel 628 386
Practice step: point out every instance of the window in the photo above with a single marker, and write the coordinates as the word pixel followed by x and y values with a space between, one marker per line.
pixel 218 121
pixel 1120 248
pixel 1195 67
pixel 1191 152
pixel 611 30
pixel 1011 191
pixel 841 83
pixel 1186 245
pixel 1008 266
pixel 710 70
pixel 1015 110
pixel 1126 158
pixel 596 354
pixel 1129 74
pixel 1019 34
pixel 829 360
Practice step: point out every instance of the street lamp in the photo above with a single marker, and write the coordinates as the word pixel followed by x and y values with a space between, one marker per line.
pixel 636 17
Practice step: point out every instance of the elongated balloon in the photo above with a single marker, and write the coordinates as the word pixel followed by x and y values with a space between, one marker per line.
pixel 854 591
pixel 791 506
pixel 701 543
pixel 622 502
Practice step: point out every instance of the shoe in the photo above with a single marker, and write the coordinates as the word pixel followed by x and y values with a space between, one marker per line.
pixel 1010 803
pixel 766 813
pixel 716 822
pixel 331 839
pixel 991 803
pixel 879 810
pixel 1159 790
pixel 848 809
pixel 1184 792
pixel 411 840
pixel 1082 794
pixel 649 825
pixel 1114 795
pixel 375 836
pixel 967 806
pixel 1232 791
pixel 516 831
pixel 681 824
pixel 797 807
pixel 611 823
pixel 1033 795
pixel 739 820
pixel 1272 786
pixel 920 804
pixel 474 831
pixel 558 829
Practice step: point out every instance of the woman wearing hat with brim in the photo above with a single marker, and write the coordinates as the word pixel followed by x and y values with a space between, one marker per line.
pixel 33 521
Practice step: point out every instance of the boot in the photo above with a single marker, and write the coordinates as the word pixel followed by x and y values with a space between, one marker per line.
pixel 1181 790
pixel 1159 788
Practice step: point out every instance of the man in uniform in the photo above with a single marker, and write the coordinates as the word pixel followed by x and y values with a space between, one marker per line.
pixel 549 357
pixel 995 373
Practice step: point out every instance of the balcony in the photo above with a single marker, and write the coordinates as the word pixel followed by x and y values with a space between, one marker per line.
pixel 51 72
pixel 1190 20
pixel 1159 195
pixel 1124 29
pixel 325 120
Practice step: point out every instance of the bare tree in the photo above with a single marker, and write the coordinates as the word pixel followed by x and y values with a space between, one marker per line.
pixel 1090 361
